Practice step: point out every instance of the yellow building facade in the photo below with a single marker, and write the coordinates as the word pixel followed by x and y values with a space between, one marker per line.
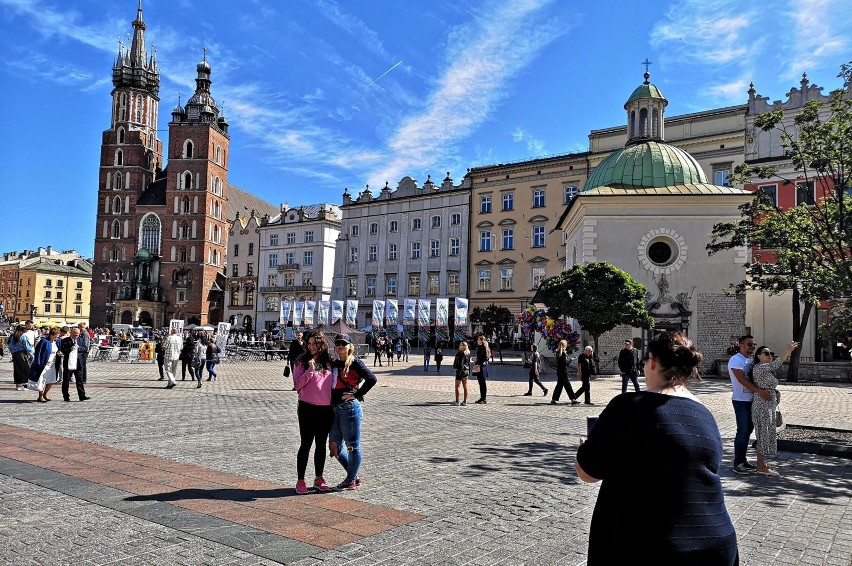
pixel 54 292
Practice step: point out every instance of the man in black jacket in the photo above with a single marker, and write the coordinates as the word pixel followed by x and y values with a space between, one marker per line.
pixel 73 360
pixel 628 365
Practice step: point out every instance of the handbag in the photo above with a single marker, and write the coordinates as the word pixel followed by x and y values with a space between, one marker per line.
pixel 286 371
pixel 476 368
pixel 779 419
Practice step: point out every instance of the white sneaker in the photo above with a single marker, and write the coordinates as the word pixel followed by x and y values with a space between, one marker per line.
pixel 456 403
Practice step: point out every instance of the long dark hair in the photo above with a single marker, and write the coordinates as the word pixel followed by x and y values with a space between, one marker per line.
pixel 756 360
pixel 323 357
pixel 677 356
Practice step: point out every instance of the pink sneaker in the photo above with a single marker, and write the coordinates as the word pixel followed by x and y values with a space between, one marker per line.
pixel 301 487
pixel 358 480
pixel 319 484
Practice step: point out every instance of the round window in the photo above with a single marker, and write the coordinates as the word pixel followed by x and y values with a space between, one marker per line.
pixel 660 253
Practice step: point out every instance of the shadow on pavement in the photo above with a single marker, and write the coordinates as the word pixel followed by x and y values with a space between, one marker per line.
pixel 525 460
pixel 225 494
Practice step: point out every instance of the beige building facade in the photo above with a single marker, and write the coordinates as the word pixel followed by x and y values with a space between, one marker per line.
pixel 513 210
pixel 54 291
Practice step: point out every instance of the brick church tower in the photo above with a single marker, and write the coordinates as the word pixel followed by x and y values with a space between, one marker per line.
pixel 161 233
pixel 131 156
pixel 196 203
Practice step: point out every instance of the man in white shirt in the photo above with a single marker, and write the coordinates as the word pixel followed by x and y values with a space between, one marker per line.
pixel 743 392
pixel 171 356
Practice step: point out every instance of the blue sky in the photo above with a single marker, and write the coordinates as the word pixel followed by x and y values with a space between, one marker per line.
pixel 323 95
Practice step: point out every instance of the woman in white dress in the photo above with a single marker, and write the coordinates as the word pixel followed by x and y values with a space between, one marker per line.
pixel 763 412
pixel 43 372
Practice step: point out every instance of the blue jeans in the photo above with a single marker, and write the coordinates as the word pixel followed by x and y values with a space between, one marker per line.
pixel 632 377
pixel 742 411
pixel 346 433
pixel 210 371
pixel 426 358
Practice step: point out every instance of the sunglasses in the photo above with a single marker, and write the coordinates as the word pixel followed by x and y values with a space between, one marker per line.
pixel 750 345
pixel 767 352
pixel 341 343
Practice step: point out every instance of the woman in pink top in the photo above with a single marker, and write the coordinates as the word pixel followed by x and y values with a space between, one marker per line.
pixel 312 377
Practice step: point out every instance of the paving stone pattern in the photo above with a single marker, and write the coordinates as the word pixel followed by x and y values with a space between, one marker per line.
pixel 494 484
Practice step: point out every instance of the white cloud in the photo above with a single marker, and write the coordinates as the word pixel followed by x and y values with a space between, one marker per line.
pixel 534 145
pixel 354 26
pixel 819 31
pixel 705 31
pixel 480 64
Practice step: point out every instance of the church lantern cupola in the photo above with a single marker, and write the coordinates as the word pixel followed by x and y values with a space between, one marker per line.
pixel 646 112
pixel 201 107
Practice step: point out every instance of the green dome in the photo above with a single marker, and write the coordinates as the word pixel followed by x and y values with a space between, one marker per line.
pixel 646 165
pixel 645 90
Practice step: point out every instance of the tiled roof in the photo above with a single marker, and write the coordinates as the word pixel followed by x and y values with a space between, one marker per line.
pixel 240 200
pixel 82 267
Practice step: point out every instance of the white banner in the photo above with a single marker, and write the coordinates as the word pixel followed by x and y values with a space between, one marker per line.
pixel 297 313
pixel 392 311
pixel 337 311
pixel 323 312
pixel 222 331
pixel 442 312
pixel 175 323
pixel 284 315
pixel 310 307
pixel 408 315
pixel 351 312
pixel 461 312
pixel 378 313
pixel 424 306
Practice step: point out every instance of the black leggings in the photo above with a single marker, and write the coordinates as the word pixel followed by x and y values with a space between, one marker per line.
pixel 314 425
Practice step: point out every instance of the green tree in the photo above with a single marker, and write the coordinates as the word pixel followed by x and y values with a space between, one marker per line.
pixel 805 249
pixel 491 317
pixel 599 295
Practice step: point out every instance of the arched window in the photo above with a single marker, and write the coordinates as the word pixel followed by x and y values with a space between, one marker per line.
pixel 122 107
pixel 173 255
pixel 187 149
pixel 116 205
pixel 187 180
pixel 115 253
pixel 150 231
pixel 655 122
pixel 121 135
pixel 183 254
pixel 139 108
pixel 643 122
pixel 632 123
pixel 217 236
pixel 119 275
pixel 218 155
pixel 184 230
pixel 184 205
pixel 117 181
pixel 119 157
pixel 116 229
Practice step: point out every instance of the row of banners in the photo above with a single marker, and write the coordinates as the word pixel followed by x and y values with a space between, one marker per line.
pixel 311 313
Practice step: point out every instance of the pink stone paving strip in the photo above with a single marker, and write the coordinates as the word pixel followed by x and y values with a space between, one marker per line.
pixel 324 520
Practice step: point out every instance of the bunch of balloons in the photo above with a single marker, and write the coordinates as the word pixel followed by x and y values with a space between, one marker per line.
pixel 552 329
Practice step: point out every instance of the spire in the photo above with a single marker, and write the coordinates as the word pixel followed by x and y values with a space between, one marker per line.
pixel 138 57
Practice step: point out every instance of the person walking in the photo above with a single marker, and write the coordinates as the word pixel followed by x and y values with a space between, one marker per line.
pixel 535 371
pixel 42 374
pixel 72 366
pixel 84 344
pixel 480 368
pixel 159 353
pixel 379 347
pixel 406 347
pixel 212 357
pixel 20 358
pixel 562 375
pixel 763 376
pixel 585 369
pixel 628 365
pixel 172 355
pixel 397 346
pixel 186 355
pixel 427 355
pixel 461 363
pixel 658 454
pixel 439 356
pixel 354 380
pixel 313 378
pixel 389 351
pixel 742 397
pixel 199 359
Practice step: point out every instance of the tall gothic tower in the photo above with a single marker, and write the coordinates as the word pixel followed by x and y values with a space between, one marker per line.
pixel 131 156
pixel 196 201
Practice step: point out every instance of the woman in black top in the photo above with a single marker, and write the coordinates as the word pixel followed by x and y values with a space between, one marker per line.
pixel 482 354
pixel 160 355
pixel 658 453
pixel 439 357
pixel 562 374
pixel 461 363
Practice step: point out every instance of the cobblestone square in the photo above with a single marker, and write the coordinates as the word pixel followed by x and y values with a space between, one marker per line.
pixel 144 475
